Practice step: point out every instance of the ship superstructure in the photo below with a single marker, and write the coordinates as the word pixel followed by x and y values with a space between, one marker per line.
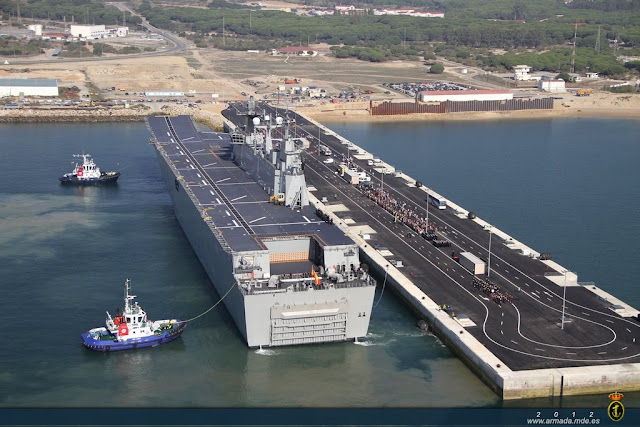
pixel 287 276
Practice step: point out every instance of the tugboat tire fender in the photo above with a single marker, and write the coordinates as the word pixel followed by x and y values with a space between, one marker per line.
pixel 108 348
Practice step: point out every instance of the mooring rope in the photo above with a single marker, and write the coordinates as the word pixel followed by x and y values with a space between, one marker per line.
pixel 212 307
pixel 383 284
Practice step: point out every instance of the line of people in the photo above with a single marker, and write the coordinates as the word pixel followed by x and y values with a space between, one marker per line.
pixel 401 211
pixel 492 289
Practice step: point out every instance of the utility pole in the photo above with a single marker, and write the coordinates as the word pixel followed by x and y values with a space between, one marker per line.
pixel 573 56
pixel 564 297
pixel 19 19
pixel 250 29
pixel 489 260
pixel 598 40
pixel 224 44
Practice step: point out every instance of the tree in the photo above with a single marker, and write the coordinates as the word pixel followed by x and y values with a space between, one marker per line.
pixel 437 68
pixel 564 76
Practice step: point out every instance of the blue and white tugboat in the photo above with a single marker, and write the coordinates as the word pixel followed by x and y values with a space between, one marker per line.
pixel 131 329
pixel 88 173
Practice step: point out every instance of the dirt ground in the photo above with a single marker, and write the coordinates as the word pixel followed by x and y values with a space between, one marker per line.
pixel 213 75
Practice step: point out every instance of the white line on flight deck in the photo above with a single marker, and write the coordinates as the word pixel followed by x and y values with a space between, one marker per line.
pixel 210 164
pixel 308 220
pixel 238 198
pixel 235 223
pixel 186 139
pixel 223 179
pixel 257 219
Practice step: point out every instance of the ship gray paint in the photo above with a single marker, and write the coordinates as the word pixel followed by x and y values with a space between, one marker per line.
pixel 269 309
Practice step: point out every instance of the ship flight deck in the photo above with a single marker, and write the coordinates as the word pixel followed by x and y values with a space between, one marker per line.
pixel 238 206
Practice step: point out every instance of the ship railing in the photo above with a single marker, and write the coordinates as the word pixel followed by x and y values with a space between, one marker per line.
pixel 217 233
pixel 304 285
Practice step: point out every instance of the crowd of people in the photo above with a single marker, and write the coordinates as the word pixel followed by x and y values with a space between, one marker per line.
pixel 401 211
pixel 492 289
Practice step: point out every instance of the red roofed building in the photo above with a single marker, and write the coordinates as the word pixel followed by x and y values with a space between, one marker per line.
pixel 465 95
pixel 56 36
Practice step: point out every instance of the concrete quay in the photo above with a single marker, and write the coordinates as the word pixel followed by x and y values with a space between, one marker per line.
pixel 520 349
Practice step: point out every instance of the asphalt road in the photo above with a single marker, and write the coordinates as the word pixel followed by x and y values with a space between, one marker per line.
pixel 525 333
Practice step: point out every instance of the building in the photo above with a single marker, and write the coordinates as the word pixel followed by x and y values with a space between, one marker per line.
pixel 97 31
pixel 322 12
pixel 164 93
pixel 465 95
pixel 347 9
pixel 88 31
pixel 37 29
pixel 408 12
pixel 591 75
pixel 28 87
pixel 521 72
pixel 552 85
pixel 295 50
pixel 57 36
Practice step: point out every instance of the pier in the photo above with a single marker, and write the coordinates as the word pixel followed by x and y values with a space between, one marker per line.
pixel 527 327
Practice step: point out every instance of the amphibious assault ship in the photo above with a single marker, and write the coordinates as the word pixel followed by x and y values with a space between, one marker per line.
pixel 286 275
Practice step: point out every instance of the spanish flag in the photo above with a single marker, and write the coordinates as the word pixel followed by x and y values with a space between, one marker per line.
pixel 315 276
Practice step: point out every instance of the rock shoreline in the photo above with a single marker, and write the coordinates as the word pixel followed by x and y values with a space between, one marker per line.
pixel 74 116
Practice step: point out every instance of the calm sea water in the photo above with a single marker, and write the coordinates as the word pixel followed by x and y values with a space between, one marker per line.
pixel 565 186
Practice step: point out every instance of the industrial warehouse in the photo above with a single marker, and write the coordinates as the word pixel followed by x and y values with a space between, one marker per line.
pixel 28 87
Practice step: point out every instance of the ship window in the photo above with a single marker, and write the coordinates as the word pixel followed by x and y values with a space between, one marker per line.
pixel 128 319
pixel 139 319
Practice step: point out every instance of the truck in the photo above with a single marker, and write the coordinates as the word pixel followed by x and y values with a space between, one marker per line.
pixel 325 151
pixel 351 177
pixel 342 168
pixel 584 92
pixel 472 263
pixel 290 81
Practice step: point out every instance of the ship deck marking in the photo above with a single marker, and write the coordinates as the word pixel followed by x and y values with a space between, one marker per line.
pixel 233 184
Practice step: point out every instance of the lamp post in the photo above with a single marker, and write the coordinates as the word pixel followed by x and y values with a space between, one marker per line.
pixel 428 203
pixel 489 260
pixel 564 297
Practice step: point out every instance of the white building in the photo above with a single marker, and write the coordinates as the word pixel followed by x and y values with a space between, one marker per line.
pixel 465 95
pixel 591 75
pixel 552 85
pixel 521 72
pixel 28 87
pixel 88 31
pixel 97 31
pixel 408 12
pixel 36 28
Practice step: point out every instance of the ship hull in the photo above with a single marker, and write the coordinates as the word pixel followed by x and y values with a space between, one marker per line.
pixel 133 343
pixel 269 319
pixel 105 179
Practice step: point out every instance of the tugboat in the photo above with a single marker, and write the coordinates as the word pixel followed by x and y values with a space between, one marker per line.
pixel 131 329
pixel 88 173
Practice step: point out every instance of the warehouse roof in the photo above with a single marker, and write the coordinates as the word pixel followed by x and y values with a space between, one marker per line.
pixel 29 82
pixel 464 92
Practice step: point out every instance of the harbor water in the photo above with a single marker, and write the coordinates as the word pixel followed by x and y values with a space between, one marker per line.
pixel 565 186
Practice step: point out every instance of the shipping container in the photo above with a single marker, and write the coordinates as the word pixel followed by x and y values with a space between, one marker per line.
pixel 472 263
